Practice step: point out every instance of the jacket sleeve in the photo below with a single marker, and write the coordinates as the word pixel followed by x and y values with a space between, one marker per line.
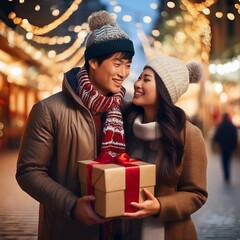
pixel 190 193
pixel 36 158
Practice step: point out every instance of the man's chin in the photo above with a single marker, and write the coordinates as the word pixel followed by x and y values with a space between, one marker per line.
pixel 116 90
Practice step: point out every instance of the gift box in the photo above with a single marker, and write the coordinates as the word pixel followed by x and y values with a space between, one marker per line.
pixel 116 185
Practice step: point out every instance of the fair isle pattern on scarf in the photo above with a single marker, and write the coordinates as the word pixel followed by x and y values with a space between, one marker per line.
pixel 113 140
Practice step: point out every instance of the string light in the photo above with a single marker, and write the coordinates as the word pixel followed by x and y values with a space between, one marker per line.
pixel 219 14
pixel 230 16
pixel 171 4
pixel 197 27
pixel 37 8
pixel 70 51
pixel 127 18
pixel 201 23
pixel 200 6
pixel 55 12
pixel 192 26
pixel 49 40
pixel 45 65
pixel 47 28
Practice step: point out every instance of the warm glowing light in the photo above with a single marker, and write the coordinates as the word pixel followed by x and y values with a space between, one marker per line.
pixel 37 8
pixel 12 15
pixel 16 71
pixel 228 67
pixel 117 9
pixel 153 5
pixel 127 18
pixel 171 4
pixel 113 2
pixel 155 33
pixel 219 14
pixel 180 37
pixel 77 28
pixel 230 16
pixel 171 23
pixel 29 36
pixel 36 30
pixel 37 55
pixel 206 11
pixel 66 39
pixel 82 34
pixel 55 12
pixel 25 21
pixel 212 68
pixel 147 19
pixel 218 87
pixel 51 54
pixel 223 97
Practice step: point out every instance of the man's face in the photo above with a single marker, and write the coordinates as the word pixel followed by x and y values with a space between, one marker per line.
pixel 108 77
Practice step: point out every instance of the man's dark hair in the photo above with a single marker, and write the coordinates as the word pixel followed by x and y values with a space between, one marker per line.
pixel 124 55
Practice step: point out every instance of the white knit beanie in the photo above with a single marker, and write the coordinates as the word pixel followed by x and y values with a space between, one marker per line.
pixel 175 75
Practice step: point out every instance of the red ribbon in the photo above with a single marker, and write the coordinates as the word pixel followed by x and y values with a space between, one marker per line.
pixel 132 176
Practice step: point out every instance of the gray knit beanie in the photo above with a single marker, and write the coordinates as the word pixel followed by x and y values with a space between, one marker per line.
pixel 106 36
pixel 175 75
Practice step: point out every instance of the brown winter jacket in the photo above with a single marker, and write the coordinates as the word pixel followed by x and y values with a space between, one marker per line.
pixel 59 132
pixel 178 202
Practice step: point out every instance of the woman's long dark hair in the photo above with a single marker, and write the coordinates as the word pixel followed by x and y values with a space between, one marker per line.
pixel 172 121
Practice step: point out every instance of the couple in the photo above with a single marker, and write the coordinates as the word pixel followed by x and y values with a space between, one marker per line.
pixel 71 125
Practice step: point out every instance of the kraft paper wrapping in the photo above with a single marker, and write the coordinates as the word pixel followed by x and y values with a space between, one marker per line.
pixel 82 173
pixel 109 183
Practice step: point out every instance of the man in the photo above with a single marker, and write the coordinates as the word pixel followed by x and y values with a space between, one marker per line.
pixel 74 125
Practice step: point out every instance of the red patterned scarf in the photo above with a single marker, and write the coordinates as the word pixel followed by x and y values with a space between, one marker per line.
pixel 113 140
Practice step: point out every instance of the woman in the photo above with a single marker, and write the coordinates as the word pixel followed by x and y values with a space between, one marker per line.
pixel 159 132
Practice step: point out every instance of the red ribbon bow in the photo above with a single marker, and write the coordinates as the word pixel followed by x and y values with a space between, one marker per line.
pixel 105 157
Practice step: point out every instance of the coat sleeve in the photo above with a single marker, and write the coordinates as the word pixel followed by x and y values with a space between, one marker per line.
pixel 36 158
pixel 190 193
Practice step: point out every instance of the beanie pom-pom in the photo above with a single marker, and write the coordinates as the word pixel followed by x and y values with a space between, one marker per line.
pixel 195 72
pixel 99 19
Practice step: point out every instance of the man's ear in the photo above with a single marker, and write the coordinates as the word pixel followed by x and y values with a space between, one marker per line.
pixel 93 63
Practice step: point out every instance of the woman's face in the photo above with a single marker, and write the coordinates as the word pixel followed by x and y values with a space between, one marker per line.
pixel 145 92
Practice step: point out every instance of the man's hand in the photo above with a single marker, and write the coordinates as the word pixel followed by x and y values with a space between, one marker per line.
pixel 83 211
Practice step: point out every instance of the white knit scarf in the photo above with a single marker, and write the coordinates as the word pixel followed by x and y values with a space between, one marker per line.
pixel 146 131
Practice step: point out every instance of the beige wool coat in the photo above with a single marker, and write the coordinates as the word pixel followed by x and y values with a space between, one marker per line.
pixel 179 201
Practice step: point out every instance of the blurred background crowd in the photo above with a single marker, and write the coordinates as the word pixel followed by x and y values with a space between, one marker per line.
pixel 40 40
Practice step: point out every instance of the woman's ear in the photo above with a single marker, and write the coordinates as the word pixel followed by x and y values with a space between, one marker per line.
pixel 93 63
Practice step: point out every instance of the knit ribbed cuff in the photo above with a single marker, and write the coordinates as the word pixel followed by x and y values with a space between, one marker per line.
pixel 112 46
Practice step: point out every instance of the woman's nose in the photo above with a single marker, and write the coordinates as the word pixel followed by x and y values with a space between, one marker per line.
pixel 137 84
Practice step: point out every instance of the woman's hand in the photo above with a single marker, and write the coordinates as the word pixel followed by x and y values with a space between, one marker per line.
pixel 150 206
